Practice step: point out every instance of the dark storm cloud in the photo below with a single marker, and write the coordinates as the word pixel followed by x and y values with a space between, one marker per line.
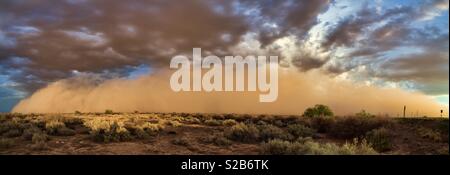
pixel 280 18
pixel 59 37
pixel 94 36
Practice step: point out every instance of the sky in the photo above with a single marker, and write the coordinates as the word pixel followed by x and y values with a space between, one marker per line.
pixel 399 44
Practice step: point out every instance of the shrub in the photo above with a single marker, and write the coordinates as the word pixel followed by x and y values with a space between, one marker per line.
pixel 109 111
pixel 269 132
pixel 363 113
pixel 6 143
pixel 299 130
pixel 78 113
pixel 318 111
pixel 213 122
pixel 191 120
pixel 173 123
pixel 72 122
pixel 52 126
pixel 39 138
pixel 322 124
pixel 180 141
pixel 229 122
pixel 351 127
pixel 13 133
pixel 279 123
pixel 145 130
pixel 308 147
pixel 64 131
pixel 29 132
pixel 107 131
pixel 217 139
pixel 58 128
pixel 429 134
pixel 380 139
pixel 8 125
pixel 242 132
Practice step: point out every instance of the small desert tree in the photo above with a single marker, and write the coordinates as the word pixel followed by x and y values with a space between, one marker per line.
pixel 318 110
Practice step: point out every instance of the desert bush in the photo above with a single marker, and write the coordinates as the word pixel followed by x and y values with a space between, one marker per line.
pixel 299 130
pixel 7 126
pixel 229 122
pixel 351 127
pixel 39 141
pixel 443 126
pixel 279 123
pixel 13 133
pixel 29 132
pixel 144 130
pixel 109 111
pixel 269 132
pixel 153 120
pixel 216 139
pixel 64 131
pixel 107 131
pixel 39 138
pixel 180 141
pixel 318 111
pixel 380 139
pixel 309 147
pixel 6 143
pixel 429 134
pixel 242 132
pixel 213 122
pixel 58 128
pixel 78 113
pixel 191 120
pixel 72 122
pixel 322 124
pixel 173 123
pixel 363 113
pixel 52 126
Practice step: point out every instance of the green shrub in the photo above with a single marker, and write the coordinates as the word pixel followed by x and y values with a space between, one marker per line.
pixel 213 122
pixel 52 126
pixel 29 132
pixel 429 134
pixel 299 130
pixel 242 132
pixel 39 138
pixel 144 130
pixel 58 128
pixel 363 113
pixel 318 111
pixel 380 139
pixel 107 131
pixel 109 111
pixel 72 122
pixel 217 139
pixel 13 133
pixel 269 132
pixel 308 147
pixel 191 120
pixel 229 122
pixel 9 125
pixel 351 127
pixel 64 131
pixel 173 123
pixel 322 124
pixel 180 141
pixel 6 143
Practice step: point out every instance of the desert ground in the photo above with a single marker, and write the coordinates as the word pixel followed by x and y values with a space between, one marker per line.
pixel 215 134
